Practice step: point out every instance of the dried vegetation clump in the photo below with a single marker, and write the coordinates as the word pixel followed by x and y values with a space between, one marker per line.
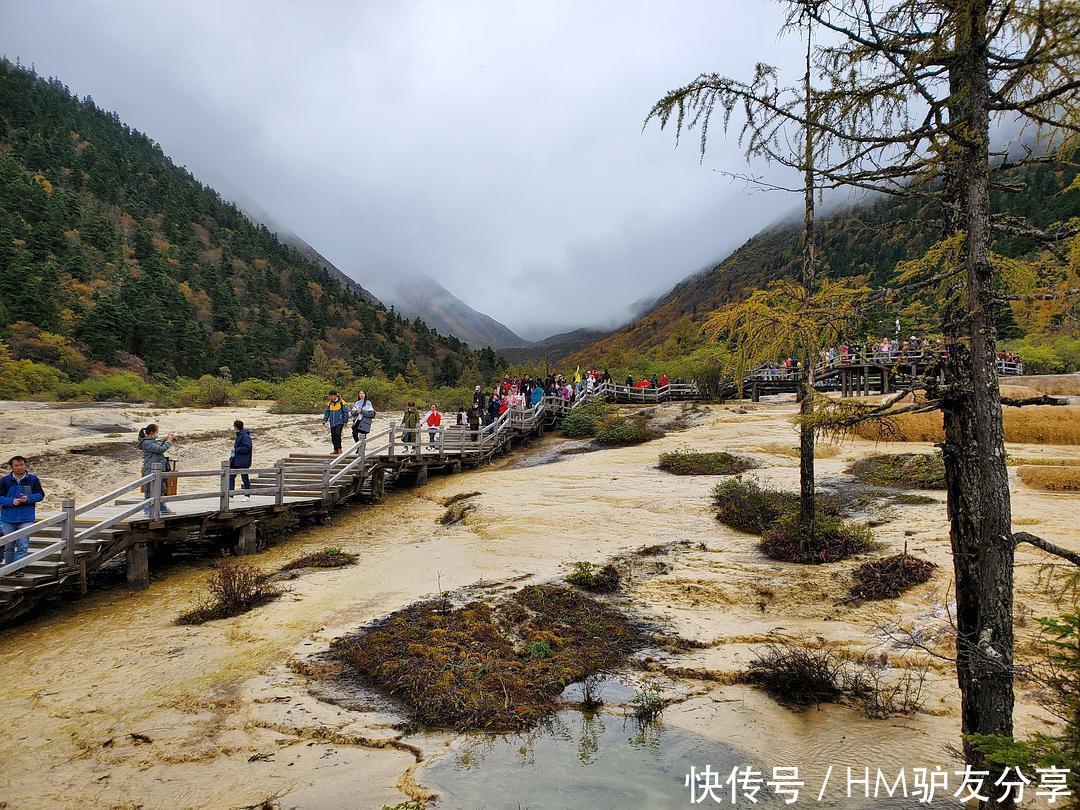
pixel 1032 424
pixel 915 470
pixel 330 557
pixel 689 462
pixel 798 675
pixel 1051 478
pixel 888 577
pixel 490 667
pixel 235 587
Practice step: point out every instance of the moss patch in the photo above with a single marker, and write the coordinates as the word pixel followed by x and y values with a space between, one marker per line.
pixel 484 667
pixel 688 462
pixel 912 470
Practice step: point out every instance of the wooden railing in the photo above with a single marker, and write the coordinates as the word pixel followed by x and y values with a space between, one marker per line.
pixel 392 444
pixel 902 360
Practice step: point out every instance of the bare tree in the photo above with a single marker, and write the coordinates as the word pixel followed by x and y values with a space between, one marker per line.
pixel 911 90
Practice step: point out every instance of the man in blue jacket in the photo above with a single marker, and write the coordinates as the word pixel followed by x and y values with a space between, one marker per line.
pixel 336 415
pixel 20 492
pixel 240 457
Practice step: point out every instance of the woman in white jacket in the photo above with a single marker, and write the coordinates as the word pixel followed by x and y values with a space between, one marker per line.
pixel 362 413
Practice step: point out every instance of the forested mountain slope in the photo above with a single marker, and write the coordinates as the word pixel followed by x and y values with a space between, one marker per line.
pixel 866 240
pixel 111 255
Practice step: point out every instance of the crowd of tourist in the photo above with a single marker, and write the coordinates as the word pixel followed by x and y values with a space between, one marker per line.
pixel 873 350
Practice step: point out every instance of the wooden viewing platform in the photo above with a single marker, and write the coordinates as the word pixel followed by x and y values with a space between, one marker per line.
pixel 68 545
pixel 860 374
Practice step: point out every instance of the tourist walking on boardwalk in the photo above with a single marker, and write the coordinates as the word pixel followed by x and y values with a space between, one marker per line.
pixel 20 493
pixel 153 452
pixel 336 414
pixel 433 419
pixel 474 423
pixel 410 420
pixel 240 458
pixel 478 398
pixel 362 413
pixel 493 408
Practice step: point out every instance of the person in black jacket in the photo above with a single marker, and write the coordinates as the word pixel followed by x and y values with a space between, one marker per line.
pixel 240 457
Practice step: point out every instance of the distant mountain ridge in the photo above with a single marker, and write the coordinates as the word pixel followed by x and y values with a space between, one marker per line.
pixel 423 297
pixel 866 239
pixel 554 347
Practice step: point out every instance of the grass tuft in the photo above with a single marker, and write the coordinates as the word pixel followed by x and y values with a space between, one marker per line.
pixel 1051 479
pixel 235 587
pixel 689 462
pixel 330 557
pixel 835 539
pixel 1033 424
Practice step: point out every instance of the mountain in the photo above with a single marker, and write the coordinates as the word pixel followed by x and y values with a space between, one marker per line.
pixel 422 297
pixel 285 234
pixel 112 256
pixel 552 348
pixel 865 240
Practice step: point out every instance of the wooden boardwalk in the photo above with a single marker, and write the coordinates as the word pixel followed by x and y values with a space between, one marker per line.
pixel 68 545
pixel 859 375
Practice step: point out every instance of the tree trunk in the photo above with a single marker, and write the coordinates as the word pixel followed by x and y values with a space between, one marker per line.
pixel 974 448
pixel 806 376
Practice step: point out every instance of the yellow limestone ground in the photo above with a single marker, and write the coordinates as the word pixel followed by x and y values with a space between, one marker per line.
pixel 108 703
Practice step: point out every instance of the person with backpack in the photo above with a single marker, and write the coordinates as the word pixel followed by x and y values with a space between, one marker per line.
pixel 240 458
pixel 336 414
pixel 154 453
pixel 410 420
pixel 362 414
pixel 20 493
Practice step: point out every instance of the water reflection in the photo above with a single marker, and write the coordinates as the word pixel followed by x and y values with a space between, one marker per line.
pixel 576 759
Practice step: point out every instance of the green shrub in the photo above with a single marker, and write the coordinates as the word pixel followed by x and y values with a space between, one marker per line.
pixel 302 393
pixel 618 431
pixel 587 576
pixel 689 462
pixel 255 389
pixel 583 422
pixel 751 506
pixel 206 392
pixel 117 386
pixel 835 539
pixel 22 379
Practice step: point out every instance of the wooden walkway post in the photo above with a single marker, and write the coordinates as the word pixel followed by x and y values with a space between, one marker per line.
pixel 223 489
pixel 67 506
pixel 155 492
pixel 138 567
pixel 279 471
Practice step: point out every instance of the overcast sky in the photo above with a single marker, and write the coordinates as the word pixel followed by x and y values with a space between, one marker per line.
pixel 494 145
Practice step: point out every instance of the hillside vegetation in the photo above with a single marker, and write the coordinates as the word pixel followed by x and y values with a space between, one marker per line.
pixel 868 241
pixel 115 261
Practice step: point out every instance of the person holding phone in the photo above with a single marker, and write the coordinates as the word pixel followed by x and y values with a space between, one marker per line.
pixel 153 451
pixel 20 493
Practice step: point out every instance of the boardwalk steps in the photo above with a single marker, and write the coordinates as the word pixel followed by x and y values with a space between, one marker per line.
pixel 66 547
